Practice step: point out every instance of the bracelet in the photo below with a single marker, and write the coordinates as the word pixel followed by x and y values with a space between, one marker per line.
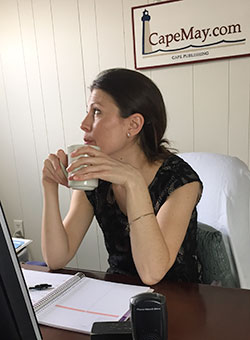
pixel 138 218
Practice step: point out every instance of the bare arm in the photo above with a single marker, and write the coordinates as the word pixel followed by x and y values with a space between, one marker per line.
pixel 61 239
pixel 155 240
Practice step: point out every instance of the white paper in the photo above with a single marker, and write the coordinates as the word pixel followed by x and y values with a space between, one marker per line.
pixel 88 301
pixel 34 277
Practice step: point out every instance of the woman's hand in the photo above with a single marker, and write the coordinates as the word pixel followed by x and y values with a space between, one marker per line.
pixel 101 166
pixel 52 171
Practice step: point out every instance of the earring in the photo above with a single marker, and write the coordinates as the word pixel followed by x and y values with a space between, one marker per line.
pixel 128 134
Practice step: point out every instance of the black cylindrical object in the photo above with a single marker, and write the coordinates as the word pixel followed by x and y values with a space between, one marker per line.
pixel 149 316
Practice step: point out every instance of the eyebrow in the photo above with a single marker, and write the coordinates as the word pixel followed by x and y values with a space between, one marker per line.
pixel 94 103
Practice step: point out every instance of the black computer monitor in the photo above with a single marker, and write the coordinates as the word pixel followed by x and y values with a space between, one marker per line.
pixel 17 317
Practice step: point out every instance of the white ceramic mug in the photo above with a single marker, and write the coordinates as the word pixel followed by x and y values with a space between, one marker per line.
pixel 86 185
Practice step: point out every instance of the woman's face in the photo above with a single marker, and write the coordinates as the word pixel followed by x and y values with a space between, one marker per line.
pixel 103 125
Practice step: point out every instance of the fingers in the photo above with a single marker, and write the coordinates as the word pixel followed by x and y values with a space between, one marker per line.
pixel 83 162
pixel 90 163
pixel 85 156
pixel 62 157
pixel 86 150
pixel 91 171
pixel 80 162
pixel 105 168
pixel 52 171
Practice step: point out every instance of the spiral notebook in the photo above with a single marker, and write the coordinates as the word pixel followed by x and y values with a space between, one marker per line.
pixel 80 301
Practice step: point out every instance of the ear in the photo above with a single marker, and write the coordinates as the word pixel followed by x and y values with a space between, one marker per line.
pixel 135 123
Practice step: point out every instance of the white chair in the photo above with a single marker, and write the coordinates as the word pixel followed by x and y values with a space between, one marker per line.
pixel 225 205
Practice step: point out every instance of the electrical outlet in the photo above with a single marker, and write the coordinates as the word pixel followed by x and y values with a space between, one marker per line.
pixel 18 228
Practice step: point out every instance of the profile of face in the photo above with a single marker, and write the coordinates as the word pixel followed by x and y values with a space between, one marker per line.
pixel 103 126
pixel 123 101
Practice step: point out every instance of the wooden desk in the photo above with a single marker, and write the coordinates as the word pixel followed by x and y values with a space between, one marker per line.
pixel 195 312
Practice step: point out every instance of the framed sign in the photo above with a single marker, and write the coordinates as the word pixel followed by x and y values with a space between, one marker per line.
pixel 184 31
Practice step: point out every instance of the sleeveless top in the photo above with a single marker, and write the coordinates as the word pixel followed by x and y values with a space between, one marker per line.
pixel 172 174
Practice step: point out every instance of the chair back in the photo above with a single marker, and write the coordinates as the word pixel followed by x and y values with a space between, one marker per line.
pixel 225 205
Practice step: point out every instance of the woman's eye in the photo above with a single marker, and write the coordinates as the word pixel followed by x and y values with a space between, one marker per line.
pixel 96 112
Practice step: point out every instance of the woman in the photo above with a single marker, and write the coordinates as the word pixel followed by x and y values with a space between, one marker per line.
pixel 146 199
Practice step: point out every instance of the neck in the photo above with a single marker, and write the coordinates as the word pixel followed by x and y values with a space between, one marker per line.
pixel 136 157
pixel 132 155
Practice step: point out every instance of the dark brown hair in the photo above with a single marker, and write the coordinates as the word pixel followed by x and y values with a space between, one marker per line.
pixel 135 93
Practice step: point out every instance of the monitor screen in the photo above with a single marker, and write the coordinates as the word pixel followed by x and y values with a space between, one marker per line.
pixel 18 320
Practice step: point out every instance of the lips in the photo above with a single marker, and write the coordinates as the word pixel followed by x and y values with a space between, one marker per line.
pixel 89 141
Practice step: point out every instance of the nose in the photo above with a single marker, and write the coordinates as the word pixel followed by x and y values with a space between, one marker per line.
pixel 86 124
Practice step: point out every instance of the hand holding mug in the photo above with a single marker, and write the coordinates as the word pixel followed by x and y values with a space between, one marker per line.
pixel 85 185
pixel 52 173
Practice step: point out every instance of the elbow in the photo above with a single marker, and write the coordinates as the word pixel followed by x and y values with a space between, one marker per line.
pixel 53 264
pixel 150 281
pixel 55 260
pixel 152 278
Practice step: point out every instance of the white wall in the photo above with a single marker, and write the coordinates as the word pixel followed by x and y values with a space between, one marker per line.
pixel 50 51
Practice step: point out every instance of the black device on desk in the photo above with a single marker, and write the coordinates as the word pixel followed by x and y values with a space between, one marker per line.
pixel 148 321
pixel 149 316
pixel 18 320
pixel 111 330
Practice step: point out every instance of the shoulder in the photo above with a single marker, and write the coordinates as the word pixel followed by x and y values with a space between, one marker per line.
pixel 174 173
pixel 176 169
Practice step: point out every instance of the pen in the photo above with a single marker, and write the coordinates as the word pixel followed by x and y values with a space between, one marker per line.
pixel 41 286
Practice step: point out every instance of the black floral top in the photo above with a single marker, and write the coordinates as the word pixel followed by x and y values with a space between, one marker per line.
pixel 173 173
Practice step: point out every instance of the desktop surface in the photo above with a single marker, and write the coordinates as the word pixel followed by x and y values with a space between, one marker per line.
pixel 195 311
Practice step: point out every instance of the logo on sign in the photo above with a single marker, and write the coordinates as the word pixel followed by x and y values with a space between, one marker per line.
pixel 188 37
